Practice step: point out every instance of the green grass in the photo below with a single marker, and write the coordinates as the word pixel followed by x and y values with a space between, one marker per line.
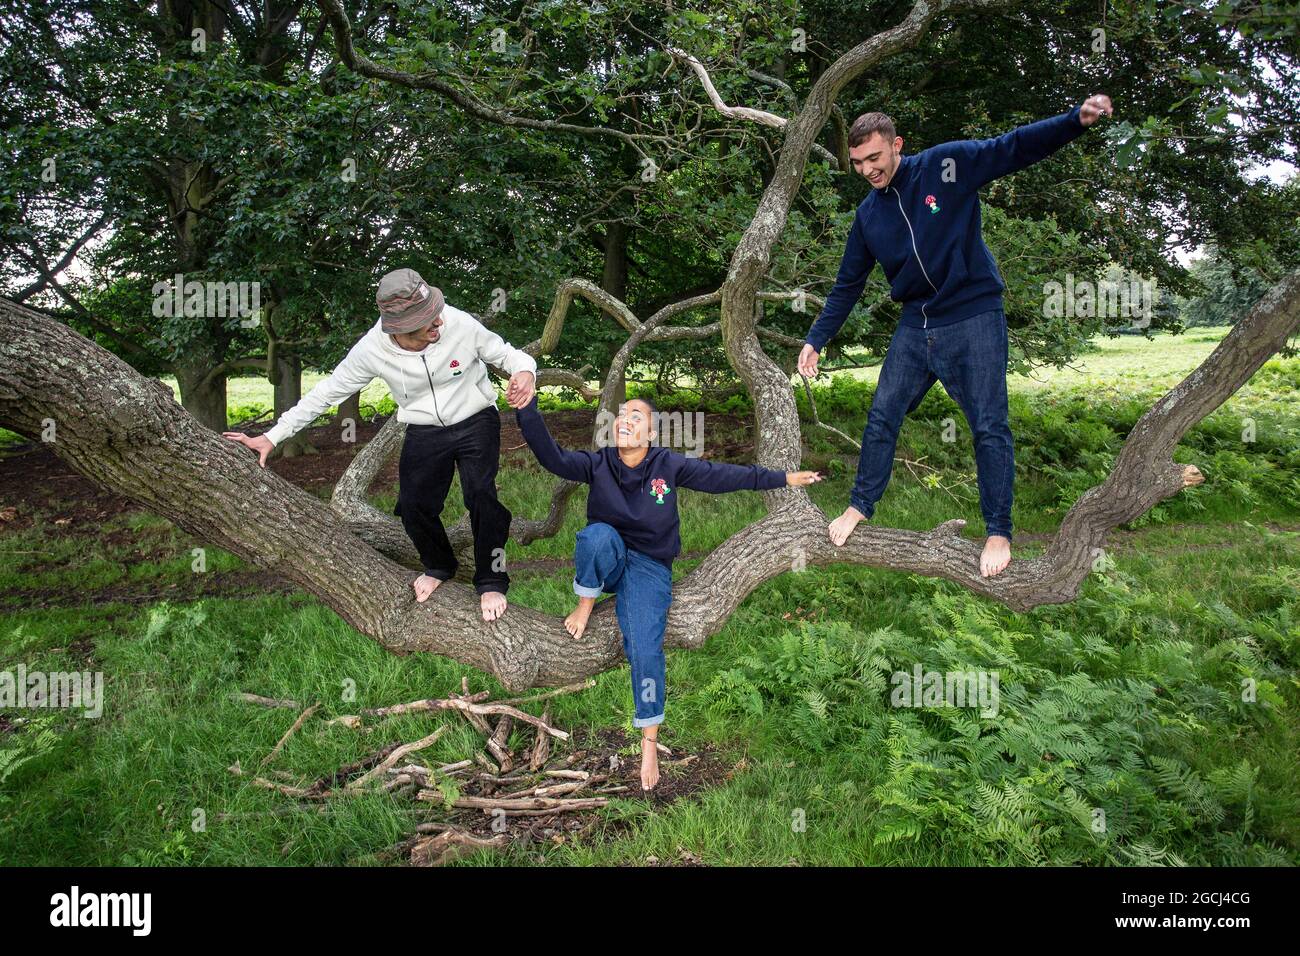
pixel 1128 700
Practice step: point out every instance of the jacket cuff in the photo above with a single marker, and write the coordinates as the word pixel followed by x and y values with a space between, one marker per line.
pixel 276 433
pixel 526 364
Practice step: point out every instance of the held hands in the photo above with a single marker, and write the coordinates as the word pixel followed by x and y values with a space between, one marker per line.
pixel 795 478
pixel 521 388
pixel 259 443
pixel 808 361
pixel 1094 107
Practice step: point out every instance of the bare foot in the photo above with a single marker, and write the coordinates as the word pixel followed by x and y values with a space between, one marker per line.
pixel 996 556
pixel 576 622
pixel 493 604
pixel 843 526
pixel 649 762
pixel 424 586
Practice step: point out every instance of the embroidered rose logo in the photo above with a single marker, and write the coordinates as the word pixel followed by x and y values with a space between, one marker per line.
pixel 932 203
pixel 455 367
pixel 659 488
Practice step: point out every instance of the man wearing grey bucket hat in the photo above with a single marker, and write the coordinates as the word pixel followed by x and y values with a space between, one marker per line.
pixel 434 359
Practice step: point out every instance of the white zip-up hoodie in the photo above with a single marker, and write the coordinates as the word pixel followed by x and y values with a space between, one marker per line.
pixel 444 383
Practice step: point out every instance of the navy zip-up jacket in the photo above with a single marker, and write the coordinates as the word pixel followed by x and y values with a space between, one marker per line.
pixel 640 503
pixel 924 229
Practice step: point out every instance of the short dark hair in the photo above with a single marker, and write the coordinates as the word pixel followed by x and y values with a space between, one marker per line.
pixel 867 124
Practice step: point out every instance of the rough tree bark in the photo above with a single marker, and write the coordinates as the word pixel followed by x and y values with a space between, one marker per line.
pixel 125 432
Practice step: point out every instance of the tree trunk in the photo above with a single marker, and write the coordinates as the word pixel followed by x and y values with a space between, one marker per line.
pixel 287 388
pixel 614 276
pixel 350 409
pixel 203 394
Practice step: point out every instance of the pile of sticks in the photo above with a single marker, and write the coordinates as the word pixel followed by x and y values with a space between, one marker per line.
pixel 499 783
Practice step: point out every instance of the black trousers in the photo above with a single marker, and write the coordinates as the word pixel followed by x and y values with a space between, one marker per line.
pixel 430 453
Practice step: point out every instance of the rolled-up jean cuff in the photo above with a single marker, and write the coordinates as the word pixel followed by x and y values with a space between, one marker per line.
pixel 583 591
pixel 866 509
pixel 1001 533
pixel 647 721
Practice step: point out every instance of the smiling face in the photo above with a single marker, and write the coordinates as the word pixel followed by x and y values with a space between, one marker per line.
pixel 417 340
pixel 634 426
pixel 876 158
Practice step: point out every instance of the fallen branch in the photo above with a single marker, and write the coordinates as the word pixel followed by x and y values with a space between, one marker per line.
pixel 541 751
pixel 508 805
pixel 452 844
pixel 289 733
pixel 538 698
pixel 392 759
pixel 467 707
pixel 496 744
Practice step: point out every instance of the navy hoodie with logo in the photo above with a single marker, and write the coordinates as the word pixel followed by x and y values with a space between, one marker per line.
pixel 640 503
pixel 924 229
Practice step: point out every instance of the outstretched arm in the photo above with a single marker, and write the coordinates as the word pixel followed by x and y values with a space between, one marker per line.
pixel 572 465
pixel 980 161
pixel 494 350
pixel 349 377
pixel 855 266
pixel 719 476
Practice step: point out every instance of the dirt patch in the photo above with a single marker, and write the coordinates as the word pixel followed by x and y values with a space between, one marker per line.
pixel 223 584
pixel 332 456
pixel 613 759
pixel 530 784
pixel 36 482
pixel 33 480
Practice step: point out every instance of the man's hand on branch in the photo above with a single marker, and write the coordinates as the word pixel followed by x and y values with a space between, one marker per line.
pixel 259 443
pixel 808 361
pixel 521 388
pixel 1094 107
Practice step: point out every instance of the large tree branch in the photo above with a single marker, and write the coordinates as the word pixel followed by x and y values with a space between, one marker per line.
pixel 762 117
pixel 51 272
pixel 471 104
pixel 124 342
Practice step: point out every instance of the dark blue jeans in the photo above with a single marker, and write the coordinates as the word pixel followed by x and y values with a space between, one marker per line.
pixel 970 359
pixel 644 590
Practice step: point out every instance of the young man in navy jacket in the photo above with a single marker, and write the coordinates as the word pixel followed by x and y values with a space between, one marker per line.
pixel 921 222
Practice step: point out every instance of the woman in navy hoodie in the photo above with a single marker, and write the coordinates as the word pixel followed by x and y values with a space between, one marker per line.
pixel 628 546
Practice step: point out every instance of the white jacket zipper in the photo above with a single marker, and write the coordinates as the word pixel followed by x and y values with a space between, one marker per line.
pixel 925 317
pixel 432 391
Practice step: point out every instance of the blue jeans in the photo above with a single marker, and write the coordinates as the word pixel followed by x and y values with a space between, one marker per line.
pixel 970 359
pixel 644 590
